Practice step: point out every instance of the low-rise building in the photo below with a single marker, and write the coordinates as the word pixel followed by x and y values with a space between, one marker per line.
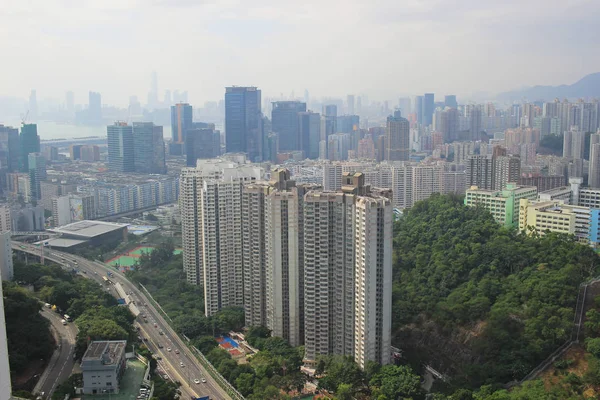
pixel 556 216
pixel 503 204
pixel 103 365
pixel 563 193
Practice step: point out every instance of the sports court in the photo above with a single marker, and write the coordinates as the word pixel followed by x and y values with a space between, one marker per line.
pixel 125 261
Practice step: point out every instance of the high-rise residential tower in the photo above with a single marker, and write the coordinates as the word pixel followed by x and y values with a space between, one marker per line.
pixel 347 272
pixel 243 122
pixel 284 120
pixel 148 148
pixel 120 147
pixel 594 172
pixel 397 138
pixel 211 221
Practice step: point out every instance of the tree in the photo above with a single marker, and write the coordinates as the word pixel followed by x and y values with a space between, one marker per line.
pixel 244 383
pixel 344 392
pixel 593 346
pixel 397 382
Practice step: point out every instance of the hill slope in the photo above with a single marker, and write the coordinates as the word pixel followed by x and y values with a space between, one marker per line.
pixel 588 86
pixel 477 301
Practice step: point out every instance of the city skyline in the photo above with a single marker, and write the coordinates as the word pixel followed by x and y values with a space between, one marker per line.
pixel 78 43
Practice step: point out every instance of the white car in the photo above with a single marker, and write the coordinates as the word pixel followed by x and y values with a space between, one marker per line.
pixel 203 380
pixel 196 381
pixel 168 349
pixel 181 364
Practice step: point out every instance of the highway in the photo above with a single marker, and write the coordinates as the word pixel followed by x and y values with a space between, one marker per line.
pixel 180 365
pixel 61 364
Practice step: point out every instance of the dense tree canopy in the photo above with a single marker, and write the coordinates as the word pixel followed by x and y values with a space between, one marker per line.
pixel 28 333
pixel 481 302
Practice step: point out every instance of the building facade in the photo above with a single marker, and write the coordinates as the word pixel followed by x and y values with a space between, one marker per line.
pixel 243 121
pixel 120 147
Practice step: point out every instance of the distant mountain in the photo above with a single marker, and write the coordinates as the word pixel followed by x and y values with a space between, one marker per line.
pixel 588 86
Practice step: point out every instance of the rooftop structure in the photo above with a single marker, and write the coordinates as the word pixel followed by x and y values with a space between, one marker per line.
pixel 103 364
pixel 96 232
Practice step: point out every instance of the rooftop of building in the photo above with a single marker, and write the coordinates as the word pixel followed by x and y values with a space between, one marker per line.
pixel 557 190
pixel 62 243
pixel 88 228
pixel 109 351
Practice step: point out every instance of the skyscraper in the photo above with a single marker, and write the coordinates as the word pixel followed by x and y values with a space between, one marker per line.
pixel 95 109
pixel 70 102
pixel 148 148
pixel 30 143
pixel 181 121
pixel 428 107
pixel 37 173
pixel 202 142
pixel 120 147
pixel 284 120
pixel 419 109
pixel 33 107
pixel 350 104
pixel 309 130
pixel 397 138
pixel 243 119
pixel 450 101
pixel 9 148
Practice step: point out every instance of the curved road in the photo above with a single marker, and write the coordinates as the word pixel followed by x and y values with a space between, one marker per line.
pixel 61 364
pixel 182 367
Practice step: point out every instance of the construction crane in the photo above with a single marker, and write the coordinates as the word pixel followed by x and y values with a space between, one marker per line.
pixel 24 119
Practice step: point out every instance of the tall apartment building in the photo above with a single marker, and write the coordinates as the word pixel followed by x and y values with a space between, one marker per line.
pixel 5 219
pixel 506 169
pixel 397 139
pixel 346 296
pixel 426 180
pixel 6 257
pixel 211 219
pixel 480 171
pixel 594 168
pixel 309 129
pixel 273 255
pixel 332 177
pixel 5 385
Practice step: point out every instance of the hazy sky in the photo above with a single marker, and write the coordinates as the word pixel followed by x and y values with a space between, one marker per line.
pixel 331 47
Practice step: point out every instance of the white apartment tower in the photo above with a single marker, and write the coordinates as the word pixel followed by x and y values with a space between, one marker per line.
pixel 332 177
pixel 211 217
pixel 373 280
pixel 347 272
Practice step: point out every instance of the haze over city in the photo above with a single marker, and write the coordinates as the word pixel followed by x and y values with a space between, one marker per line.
pixel 380 48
